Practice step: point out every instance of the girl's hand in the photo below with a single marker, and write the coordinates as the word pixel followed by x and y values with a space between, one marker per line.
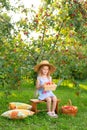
pixel 42 86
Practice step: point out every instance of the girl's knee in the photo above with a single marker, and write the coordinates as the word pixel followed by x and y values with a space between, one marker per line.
pixel 48 99
pixel 54 99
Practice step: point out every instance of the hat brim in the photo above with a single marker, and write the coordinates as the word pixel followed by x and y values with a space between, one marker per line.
pixel 52 68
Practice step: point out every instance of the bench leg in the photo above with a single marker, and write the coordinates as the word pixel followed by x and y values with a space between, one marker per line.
pixel 34 107
pixel 56 110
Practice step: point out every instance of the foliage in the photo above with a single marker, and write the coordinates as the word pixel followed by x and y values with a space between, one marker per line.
pixel 72 63
pixel 56 32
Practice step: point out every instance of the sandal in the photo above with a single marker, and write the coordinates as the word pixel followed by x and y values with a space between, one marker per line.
pixel 52 114
pixel 49 113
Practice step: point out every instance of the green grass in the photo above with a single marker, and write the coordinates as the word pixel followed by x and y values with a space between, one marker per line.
pixel 42 121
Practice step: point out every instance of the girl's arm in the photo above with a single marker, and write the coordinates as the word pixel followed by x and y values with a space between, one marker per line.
pixel 38 86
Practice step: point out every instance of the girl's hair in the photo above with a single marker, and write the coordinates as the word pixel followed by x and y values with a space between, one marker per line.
pixel 40 71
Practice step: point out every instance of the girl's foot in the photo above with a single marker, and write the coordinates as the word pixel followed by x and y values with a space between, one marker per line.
pixel 49 113
pixel 52 114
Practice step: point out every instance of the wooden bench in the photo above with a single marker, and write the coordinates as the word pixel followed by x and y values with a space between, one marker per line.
pixel 35 102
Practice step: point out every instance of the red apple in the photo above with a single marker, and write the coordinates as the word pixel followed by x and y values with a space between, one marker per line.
pixel 26 33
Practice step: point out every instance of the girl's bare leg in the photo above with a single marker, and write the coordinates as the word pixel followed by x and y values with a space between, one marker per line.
pixel 54 99
pixel 48 104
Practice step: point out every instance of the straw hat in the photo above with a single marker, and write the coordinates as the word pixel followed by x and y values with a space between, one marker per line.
pixel 44 62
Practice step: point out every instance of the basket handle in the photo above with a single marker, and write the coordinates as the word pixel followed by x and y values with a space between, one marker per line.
pixel 69 102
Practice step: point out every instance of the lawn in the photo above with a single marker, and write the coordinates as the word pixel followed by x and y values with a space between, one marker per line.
pixel 42 121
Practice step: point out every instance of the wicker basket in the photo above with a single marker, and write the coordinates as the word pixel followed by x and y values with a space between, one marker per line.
pixel 69 109
pixel 50 86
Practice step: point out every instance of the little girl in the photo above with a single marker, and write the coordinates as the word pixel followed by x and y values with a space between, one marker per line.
pixel 44 69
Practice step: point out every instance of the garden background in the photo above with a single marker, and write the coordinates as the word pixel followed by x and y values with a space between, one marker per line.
pixel 56 31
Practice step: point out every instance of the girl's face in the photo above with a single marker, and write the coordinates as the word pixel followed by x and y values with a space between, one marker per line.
pixel 45 70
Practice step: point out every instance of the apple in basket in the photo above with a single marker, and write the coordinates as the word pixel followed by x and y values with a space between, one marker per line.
pixel 49 83
pixel 49 86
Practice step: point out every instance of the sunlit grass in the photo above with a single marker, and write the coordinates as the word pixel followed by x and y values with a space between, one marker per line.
pixel 42 121
pixel 68 83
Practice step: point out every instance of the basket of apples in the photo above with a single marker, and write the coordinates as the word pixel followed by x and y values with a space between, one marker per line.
pixel 50 86
pixel 69 109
